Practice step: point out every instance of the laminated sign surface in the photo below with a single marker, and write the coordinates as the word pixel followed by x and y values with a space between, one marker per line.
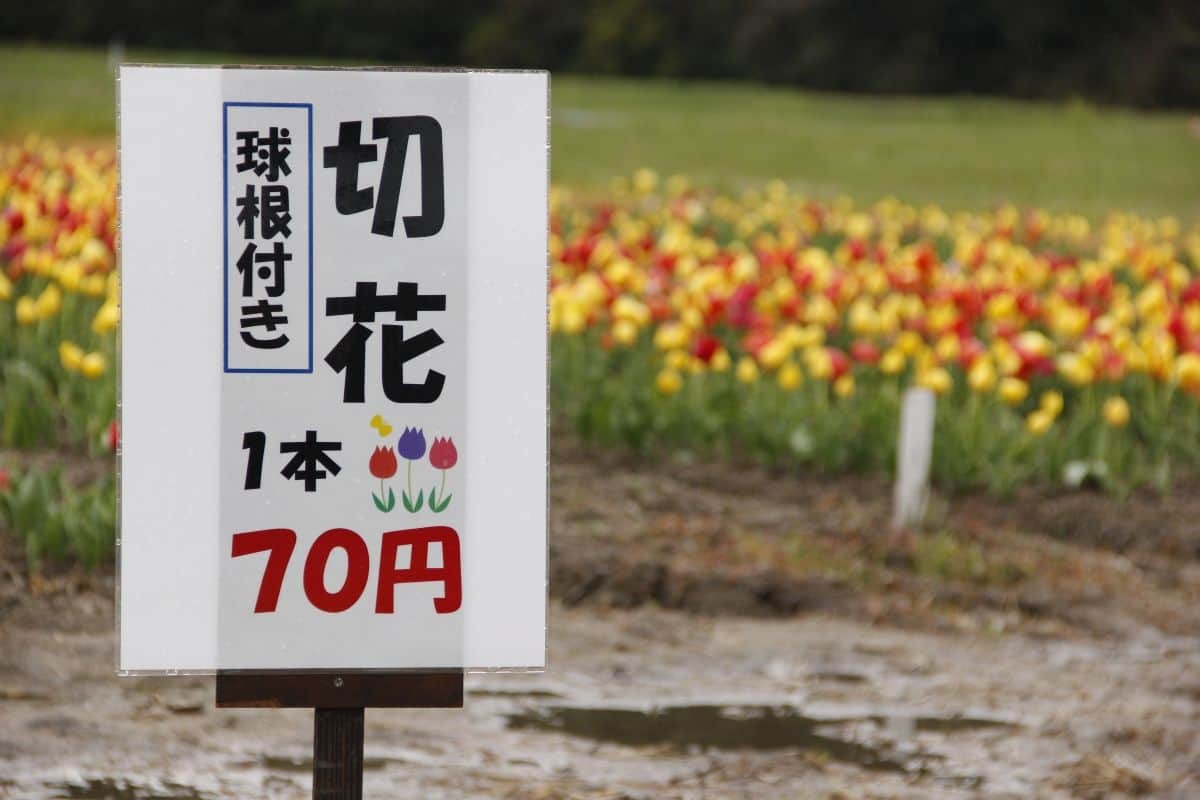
pixel 333 369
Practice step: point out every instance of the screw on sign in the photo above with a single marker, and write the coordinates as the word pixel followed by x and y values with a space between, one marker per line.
pixel 364 212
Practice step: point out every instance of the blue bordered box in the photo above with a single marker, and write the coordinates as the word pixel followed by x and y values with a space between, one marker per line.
pixel 267 151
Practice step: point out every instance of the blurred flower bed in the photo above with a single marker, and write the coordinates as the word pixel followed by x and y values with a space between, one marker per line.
pixel 764 326
pixel 777 328
pixel 59 311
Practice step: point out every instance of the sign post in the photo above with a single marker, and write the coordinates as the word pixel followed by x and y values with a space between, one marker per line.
pixel 333 386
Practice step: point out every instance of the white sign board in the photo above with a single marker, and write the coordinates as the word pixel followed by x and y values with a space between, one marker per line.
pixel 333 369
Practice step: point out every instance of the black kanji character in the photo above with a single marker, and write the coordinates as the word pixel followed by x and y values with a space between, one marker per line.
pixel 248 213
pixel 310 456
pixel 349 153
pixel 264 314
pixel 349 355
pixel 274 211
pixel 345 158
pixel 273 262
pixel 267 154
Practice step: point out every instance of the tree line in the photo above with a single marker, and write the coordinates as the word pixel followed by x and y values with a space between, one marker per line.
pixel 1109 51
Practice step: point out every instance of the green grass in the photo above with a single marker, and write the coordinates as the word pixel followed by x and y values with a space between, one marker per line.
pixel 959 152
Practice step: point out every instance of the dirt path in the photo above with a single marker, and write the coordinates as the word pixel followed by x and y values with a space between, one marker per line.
pixel 714 633
pixel 646 704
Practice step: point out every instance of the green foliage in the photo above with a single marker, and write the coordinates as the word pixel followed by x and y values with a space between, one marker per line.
pixel 945 557
pixel 42 404
pixel 609 398
pixel 56 521
pixel 960 153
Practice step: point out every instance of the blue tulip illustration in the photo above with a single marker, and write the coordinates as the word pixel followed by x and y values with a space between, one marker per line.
pixel 412 448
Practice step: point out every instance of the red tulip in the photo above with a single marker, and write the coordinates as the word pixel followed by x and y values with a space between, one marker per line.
pixel 442 453
pixel 841 364
pixel 705 347
pixel 864 352
pixel 383 462
pixel 113 437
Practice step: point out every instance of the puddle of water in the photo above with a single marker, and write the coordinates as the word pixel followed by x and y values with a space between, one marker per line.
pixel 119 789
pixel 724 727
pixel 516 694
pixel 957 724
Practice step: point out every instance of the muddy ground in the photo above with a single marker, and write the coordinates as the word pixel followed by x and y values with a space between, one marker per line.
pixel 715 632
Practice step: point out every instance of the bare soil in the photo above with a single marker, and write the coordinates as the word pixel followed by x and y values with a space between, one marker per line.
pixel 715 632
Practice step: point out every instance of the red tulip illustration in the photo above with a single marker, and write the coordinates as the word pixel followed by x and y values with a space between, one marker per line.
pixel 383 466
pixel 442 455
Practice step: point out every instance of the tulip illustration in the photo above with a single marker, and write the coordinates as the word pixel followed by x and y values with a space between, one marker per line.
pixel 383 466
pixel 412 447
pixel 442 455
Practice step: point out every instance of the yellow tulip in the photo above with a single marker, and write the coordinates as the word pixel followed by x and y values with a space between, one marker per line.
pixel 935 379
pixel 26 310
pixel 1051 402
pixel 1116 411
pixel 671 336
pixel 108 316
pixel 1187 371
pixel 720 362
pixel 668 381
pixel 1039 421
pixel 571 318
pixel 93 285
pixel 982 376
pixel 70 274
pixel 1076 369
pixel 948 347
pixel 677 359
pixel 93 365
pixel 790 377
pixel 910 343
pixel 844 386
pixel 819 362
pixel 892 362
pixel 1013 390
pixel 747 370
pixel 48 302
pixel 624 331
pixel 645 181
pixel 862 318
pixel 821 311
pixel 773 353
pixel 71 355
pixel 626 307
pixel 5 285
pixel 1036 343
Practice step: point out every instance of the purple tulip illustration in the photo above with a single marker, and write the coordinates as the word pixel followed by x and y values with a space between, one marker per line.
pixel 412 448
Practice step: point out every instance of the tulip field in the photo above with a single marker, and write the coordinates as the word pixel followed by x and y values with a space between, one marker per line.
pixel 761 326
pixel 772 327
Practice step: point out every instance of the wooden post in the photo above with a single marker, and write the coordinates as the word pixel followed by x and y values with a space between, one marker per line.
pixel 339 700
pixel 337 754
